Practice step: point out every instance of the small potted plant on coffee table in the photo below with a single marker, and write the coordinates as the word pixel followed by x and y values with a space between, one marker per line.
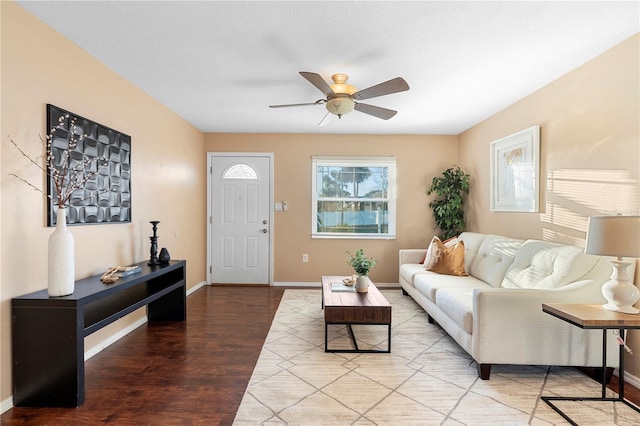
pixel 361 264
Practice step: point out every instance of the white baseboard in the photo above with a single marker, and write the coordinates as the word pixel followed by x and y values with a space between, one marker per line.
pixel 316 284
pixel 388 285
pixel 113 338
pixel 120 334
pixel 632 380
pixel 7 403
pixel 196 287
pixel 313 284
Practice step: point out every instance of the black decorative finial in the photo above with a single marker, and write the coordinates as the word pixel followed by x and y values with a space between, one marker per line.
pixel 154 244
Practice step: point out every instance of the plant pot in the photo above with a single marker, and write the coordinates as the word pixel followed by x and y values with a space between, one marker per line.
pixel 362 283
pixel 61 271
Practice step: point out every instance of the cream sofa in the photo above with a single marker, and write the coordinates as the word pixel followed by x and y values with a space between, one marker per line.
pixel 495 313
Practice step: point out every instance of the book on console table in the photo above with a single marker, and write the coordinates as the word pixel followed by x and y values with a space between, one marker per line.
pixel 128 270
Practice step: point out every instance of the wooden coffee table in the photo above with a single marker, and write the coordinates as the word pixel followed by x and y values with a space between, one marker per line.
pixel 348 308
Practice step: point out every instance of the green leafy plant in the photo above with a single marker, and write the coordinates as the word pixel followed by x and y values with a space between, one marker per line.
pixel 447 208
pixel 360 263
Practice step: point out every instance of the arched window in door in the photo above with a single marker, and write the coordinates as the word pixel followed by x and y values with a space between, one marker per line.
pixel 240 171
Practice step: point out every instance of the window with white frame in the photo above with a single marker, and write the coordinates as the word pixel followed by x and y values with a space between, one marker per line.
pixel 353 197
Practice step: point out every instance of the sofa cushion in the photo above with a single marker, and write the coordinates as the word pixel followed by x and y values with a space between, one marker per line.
pixel 409 270
pixel 544 265
pixel 472 242
pixel 494 256
pixel 429 283
pixel 457 303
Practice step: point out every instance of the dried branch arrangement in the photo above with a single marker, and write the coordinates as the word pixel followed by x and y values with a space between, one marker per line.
pixel 66 173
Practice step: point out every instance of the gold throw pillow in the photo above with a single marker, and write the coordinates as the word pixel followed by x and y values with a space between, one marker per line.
pixel 451 260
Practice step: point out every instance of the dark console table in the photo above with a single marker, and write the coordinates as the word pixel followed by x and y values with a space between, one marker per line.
pixel 48 332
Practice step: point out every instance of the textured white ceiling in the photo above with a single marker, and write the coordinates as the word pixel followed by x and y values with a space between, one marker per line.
pixel 221 64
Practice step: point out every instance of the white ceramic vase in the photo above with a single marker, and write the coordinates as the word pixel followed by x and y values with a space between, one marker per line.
pixel 362 283
pixel 61 279
pixel 621 294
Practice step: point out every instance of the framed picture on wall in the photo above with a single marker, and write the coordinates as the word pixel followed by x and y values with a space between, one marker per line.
pixel 515 169
pixel 77 146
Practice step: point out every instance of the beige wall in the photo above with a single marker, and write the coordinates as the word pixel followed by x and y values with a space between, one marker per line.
pixel 590 153
pixel 39 66
pixel 419 158
pixel 590 164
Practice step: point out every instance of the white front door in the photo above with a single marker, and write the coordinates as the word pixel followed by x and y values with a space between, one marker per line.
pixel 240 218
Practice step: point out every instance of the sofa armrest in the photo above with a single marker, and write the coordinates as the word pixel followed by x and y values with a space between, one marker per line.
pixel 512 321
pixel 495 308
pixel 411 255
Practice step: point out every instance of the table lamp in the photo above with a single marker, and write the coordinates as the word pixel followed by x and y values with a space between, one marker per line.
pixel 617 236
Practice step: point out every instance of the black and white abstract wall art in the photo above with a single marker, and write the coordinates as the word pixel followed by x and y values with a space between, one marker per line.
pixel 105 197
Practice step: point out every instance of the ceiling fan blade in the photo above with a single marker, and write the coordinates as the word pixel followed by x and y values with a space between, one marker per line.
pixel 394 85
pixel 376 111
pixel 318 81
pixel 318 102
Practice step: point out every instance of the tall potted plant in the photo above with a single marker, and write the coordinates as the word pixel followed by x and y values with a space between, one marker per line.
pixel 447 207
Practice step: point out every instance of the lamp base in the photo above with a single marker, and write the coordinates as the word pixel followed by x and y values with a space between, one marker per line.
pixel 623 309
pixel 619 292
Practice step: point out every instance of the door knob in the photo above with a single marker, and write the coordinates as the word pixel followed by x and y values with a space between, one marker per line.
pixel 264 231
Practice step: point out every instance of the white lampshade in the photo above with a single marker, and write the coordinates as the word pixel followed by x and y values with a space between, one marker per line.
pixel 617 236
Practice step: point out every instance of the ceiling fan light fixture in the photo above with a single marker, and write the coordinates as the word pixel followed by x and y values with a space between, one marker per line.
pixel 340 106
pixel 340 84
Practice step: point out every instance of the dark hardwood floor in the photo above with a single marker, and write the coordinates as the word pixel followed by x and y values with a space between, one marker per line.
pixel 192 373
pixel 187 373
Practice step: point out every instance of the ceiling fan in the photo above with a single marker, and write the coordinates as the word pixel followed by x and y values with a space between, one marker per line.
pixel 341 97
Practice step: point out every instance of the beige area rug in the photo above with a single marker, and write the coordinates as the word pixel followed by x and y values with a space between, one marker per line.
pixel 427 379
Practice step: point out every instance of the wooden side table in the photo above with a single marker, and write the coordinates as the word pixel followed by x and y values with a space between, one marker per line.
pixel 595 317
